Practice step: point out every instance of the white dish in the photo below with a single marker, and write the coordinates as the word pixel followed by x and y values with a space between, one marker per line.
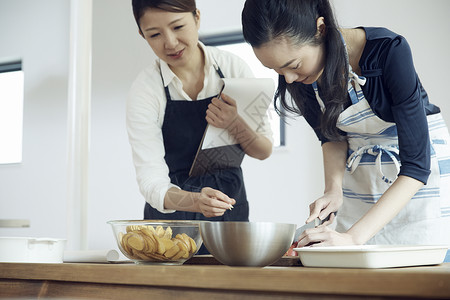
pixel 371 256
pixel 31 250
pixel 92 256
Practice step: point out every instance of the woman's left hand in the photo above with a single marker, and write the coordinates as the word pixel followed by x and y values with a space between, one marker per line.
pixel 324 236
pixel 220 113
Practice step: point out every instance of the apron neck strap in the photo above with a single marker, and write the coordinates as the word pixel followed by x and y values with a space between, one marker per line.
pixel 166 87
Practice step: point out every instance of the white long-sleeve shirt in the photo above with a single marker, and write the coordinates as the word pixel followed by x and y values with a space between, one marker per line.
pixel 146 106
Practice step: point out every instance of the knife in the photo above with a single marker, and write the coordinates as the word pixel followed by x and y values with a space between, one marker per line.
pixel 311 224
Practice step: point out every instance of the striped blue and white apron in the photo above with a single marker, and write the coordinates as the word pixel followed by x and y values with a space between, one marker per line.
pixel 373 164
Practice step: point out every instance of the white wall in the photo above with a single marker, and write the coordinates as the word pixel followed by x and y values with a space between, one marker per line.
pixel 38 33
pixel 279 189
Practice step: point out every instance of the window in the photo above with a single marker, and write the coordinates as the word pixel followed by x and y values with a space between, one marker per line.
pixel 11 112
pixel 234 42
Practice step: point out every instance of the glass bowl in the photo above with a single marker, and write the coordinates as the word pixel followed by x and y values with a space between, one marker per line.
pixel 165 242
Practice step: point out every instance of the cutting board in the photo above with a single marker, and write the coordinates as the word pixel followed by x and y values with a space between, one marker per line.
pixel 285 261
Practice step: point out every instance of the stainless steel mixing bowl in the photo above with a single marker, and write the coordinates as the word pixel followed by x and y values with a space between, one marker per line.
pixel 255 244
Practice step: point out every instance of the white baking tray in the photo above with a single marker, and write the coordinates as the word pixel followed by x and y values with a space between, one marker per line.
pixel 371 256
pixel 31 250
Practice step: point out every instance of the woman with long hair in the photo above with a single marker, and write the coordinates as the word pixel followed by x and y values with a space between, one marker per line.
pixel 385 146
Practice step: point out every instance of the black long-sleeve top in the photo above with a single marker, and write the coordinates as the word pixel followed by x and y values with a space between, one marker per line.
pixel 395 94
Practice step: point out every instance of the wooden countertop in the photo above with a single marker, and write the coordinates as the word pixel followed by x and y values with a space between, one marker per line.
pixel 130 281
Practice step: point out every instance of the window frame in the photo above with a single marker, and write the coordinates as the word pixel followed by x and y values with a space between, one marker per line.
pixel 12 66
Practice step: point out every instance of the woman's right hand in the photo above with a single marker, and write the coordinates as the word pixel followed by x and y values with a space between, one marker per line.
pixel 325 205
pixel 214 203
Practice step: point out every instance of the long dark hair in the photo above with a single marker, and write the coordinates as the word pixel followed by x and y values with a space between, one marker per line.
pixel 139 7
pixel 266 20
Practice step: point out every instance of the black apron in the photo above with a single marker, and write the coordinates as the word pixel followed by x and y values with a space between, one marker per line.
pixel 183 127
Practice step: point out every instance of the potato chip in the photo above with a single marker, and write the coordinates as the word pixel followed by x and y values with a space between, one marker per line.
pixel 150 244
pixel 167 243
pixel 151 228
pixel 160 246
pixel 180 254
pixel 134 254
pixel 147 232
pixel 193 245
pixel 182 245
pixel 183 240
pixel 157 257
pixel 186 239
pixel 172 251
pixel 160 231
pixel 142 256
pixel 168 233
pixel 125 244
pixel 136 241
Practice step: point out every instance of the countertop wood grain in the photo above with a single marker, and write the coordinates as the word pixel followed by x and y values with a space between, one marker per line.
pixel 195 281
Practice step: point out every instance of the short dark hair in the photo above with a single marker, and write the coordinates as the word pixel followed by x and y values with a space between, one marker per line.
pixel 296 20
pixel 139 7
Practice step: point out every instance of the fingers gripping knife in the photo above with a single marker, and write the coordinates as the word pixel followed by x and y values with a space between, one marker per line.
pixel 300 230
pixel 312 224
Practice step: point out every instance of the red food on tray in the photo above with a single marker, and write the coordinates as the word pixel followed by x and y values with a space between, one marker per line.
pixel 291 251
